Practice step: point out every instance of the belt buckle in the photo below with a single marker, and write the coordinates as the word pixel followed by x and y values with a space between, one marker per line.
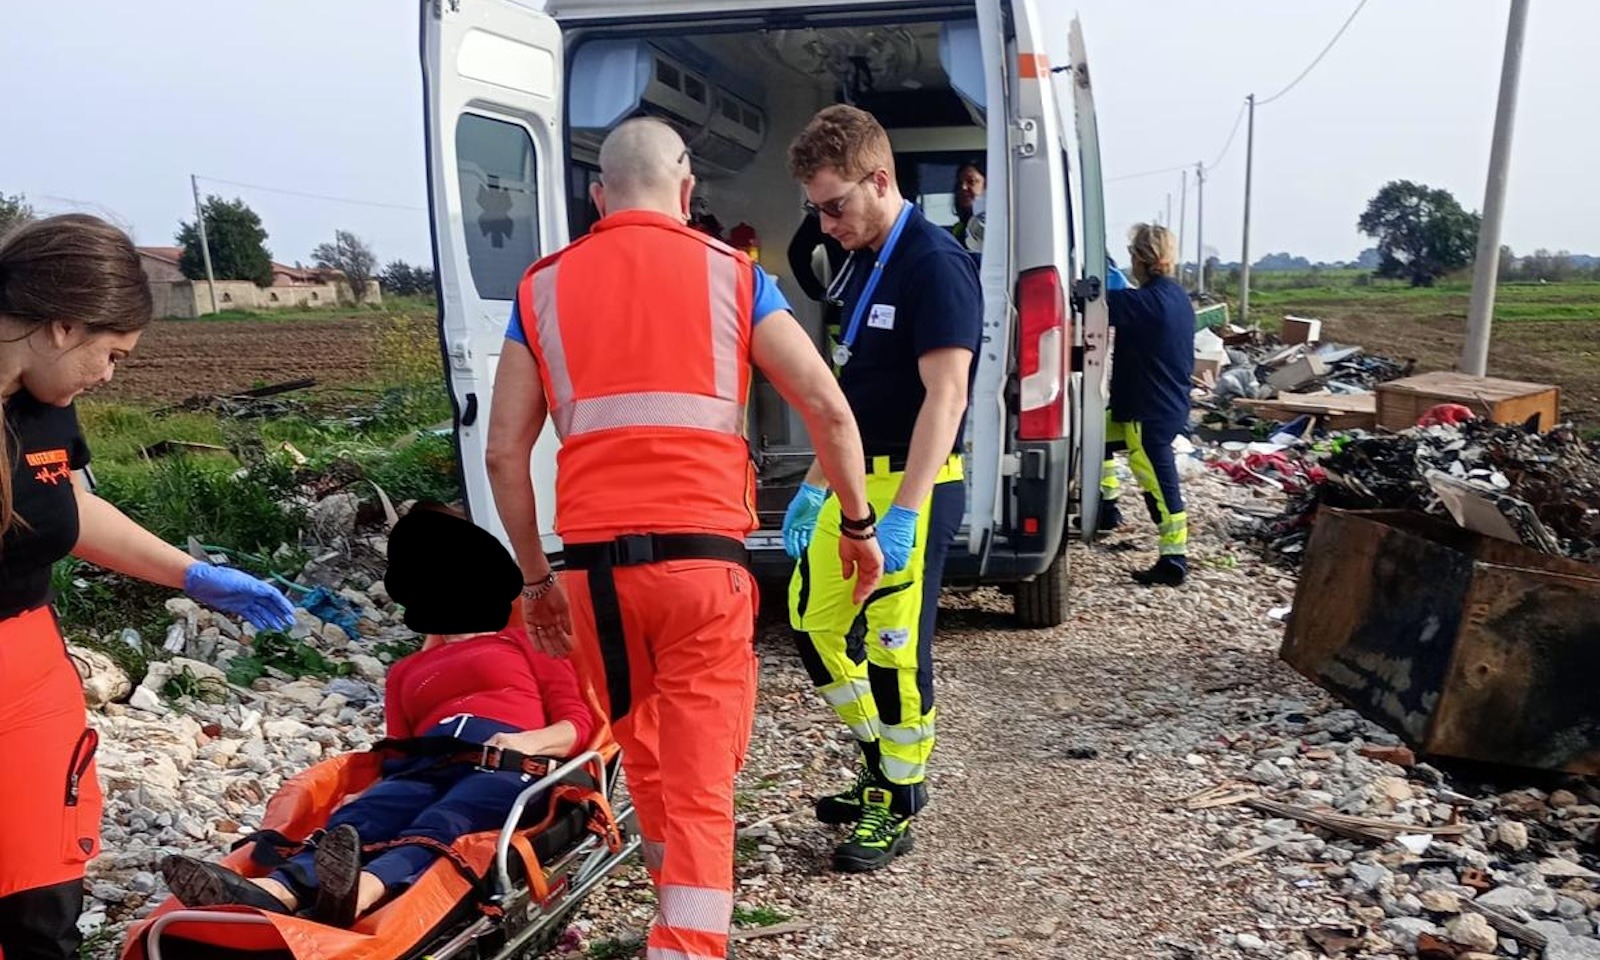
pixel 488 760
pixel 633 549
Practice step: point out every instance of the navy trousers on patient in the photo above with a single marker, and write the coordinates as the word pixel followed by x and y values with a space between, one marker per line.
pixel 419 798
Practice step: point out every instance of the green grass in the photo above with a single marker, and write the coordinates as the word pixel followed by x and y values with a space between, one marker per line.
pixel 1277 292
pixel 758 917
pixel 616 948
pixel 418 306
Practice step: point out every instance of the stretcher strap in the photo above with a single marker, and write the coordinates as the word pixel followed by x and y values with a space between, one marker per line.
pixel 538 884
pixel 272 849
pixel 599 559
pixel 448 750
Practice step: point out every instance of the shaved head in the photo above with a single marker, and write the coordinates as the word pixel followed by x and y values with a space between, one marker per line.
pixel 643 162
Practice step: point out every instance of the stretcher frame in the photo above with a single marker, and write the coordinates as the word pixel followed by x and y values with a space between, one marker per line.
pixel 525 925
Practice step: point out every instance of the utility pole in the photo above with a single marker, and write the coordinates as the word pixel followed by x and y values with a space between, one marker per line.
pixel 1486 271
pixel 1244 246
pixel 1200 228
pixel 1183 209
pixel 205 245
pixel 1168 221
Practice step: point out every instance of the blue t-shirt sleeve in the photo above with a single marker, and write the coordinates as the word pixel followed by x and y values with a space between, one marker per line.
pixel 768 298
pixel 948 303
pixel 514 328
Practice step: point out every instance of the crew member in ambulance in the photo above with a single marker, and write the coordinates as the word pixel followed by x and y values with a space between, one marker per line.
pixel 970 183
pixel 912 312
pixel 73 303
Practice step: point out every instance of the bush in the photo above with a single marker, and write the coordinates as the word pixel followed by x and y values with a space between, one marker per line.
pixel 248 511
pixel 425 469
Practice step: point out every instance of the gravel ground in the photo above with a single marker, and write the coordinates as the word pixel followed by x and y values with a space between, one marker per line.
pixel 1055 828
pixel 1075 789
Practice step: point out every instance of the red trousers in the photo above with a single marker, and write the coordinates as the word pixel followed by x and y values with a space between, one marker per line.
pixel 50 797
pixel 689 627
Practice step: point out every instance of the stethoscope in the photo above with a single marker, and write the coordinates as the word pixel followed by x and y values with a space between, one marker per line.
pixel 836 289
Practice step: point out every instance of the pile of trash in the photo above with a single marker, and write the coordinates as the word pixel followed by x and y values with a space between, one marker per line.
pixel 1546 486
pixel 1241 365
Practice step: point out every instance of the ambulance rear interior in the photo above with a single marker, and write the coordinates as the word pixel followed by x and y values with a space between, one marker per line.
pixel 950 82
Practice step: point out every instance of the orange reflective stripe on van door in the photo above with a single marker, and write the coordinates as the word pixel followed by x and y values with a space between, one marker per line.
pixel 1033 66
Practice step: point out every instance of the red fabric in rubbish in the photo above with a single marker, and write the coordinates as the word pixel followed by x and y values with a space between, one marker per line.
pixel 1446 414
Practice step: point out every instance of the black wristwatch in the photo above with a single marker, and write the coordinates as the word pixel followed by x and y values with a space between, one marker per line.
pixel 863 529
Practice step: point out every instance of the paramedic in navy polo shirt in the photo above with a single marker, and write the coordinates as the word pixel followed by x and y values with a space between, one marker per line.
pixel 911 316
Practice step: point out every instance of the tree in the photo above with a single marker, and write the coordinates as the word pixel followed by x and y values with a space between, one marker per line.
pixel 237 241
pixel 13 211
pixel 349 255
pixel 402 279
pixel 1422 233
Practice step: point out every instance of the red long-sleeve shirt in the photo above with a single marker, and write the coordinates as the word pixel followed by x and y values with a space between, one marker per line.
pixel 496 676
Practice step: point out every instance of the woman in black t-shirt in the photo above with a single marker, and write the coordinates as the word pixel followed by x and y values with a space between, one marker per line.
pixel 73 301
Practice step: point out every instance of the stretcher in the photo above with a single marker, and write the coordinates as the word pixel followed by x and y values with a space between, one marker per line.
pixel 497 894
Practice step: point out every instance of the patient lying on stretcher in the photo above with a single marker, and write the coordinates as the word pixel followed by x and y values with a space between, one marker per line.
pixel 474 680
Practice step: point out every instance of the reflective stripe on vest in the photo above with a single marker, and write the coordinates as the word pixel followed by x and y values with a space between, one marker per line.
pixel 722 413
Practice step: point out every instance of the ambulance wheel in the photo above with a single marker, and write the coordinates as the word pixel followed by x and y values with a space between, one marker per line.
pixel 1042 601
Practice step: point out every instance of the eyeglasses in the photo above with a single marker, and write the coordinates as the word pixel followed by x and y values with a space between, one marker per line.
pixel 834 208
pixel 684 156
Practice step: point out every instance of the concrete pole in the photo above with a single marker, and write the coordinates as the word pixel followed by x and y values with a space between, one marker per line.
pixel 1183 209
pixel 1486 271
pixel 1244 245
pixel 1200 228
pixel 205 245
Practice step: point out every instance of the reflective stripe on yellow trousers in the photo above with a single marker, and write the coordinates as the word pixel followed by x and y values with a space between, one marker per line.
pixel 873 663
pixel 1151 460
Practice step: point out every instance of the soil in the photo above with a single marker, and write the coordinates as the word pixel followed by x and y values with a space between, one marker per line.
pixel 177 359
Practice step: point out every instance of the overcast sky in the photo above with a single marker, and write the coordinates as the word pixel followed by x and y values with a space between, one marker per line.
pixel 111 105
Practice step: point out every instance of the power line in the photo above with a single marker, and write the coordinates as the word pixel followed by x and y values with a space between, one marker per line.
pixel 311 196
pixel 1313 65
pixel 1231 134
pixel 1148 173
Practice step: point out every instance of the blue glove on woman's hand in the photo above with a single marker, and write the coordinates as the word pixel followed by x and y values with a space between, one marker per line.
pixel 236 592
pixel 800 520
pixel 897 534
pixel 1115 279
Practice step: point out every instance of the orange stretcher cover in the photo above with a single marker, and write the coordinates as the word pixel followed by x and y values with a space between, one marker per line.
pixel 301 806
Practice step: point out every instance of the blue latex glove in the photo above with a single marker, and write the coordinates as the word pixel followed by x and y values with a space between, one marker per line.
pixel 1115 280
pixel 897 533
pixel 236 592
pixel 800 520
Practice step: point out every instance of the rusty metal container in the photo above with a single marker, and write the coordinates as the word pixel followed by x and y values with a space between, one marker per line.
pixel 1464 645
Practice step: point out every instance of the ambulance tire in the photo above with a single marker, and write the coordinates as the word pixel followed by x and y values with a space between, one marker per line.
pixel 1042 601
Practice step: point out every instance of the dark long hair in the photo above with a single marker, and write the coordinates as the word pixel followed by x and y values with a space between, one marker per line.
pixel 74 268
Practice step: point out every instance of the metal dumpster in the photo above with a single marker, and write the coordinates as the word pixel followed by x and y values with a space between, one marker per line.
pixel 1464 645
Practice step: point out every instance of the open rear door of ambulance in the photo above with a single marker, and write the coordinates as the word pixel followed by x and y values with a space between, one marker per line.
pixel 1088 294
pixel 492 72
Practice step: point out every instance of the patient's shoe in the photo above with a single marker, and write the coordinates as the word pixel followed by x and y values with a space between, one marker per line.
pixel 200 883
pixel 338 868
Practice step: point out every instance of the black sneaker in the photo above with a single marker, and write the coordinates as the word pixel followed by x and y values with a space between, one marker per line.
pixel 338 867
pixel 845 807
pixel 1167 572
pixel 200 883
pixel 880 836
pixel 1108 519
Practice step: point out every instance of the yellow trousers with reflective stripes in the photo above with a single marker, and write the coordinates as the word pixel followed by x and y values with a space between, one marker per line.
pixel 1151 460
pixel 873 663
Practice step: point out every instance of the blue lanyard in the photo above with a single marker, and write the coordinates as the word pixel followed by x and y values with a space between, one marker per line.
pixel 841 353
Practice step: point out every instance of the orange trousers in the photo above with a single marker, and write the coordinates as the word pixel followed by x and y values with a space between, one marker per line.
pixel 50 797
pixel 690 634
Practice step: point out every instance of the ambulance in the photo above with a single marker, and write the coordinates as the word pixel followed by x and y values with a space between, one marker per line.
pixel 519 96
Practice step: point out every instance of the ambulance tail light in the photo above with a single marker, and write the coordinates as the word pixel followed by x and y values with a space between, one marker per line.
pixel 1042 318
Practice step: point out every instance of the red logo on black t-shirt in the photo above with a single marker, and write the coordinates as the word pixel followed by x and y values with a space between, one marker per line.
pixel 51 466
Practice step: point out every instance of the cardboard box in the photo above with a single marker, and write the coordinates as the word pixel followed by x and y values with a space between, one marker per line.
pixel 1301 330
pixel 1465 645
pixel 1402 402
pixel 1297 373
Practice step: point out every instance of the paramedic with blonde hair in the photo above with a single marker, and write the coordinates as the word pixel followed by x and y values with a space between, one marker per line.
pixel 1152 361
pixel 637 342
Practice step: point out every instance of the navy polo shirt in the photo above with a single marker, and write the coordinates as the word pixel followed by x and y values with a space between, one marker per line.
pixel 928 299
pixel 1154 357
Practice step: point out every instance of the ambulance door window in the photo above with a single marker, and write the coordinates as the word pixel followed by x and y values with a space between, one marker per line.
pixel 496 166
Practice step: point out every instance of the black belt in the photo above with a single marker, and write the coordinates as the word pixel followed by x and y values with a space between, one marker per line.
pixel 597 560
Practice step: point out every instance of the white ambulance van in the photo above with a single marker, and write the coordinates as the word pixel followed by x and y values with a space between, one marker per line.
pixel 519 96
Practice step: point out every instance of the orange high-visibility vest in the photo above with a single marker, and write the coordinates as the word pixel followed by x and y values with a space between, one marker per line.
pixel 641 331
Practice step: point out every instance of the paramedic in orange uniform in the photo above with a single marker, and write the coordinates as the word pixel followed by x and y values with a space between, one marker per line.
pixel 637 341
pixel 73 301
